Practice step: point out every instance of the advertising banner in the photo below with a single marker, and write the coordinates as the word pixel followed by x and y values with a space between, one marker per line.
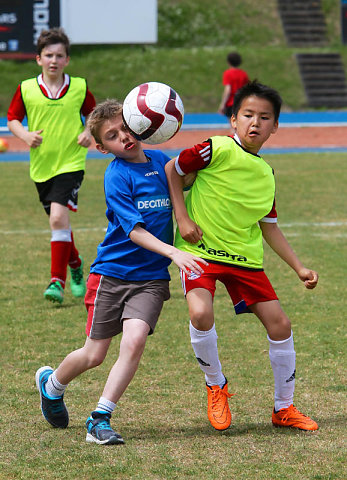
pixel 21 23
pixel 344 21
pixel 84 21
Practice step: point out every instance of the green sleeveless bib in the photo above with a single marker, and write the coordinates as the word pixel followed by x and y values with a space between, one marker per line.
pixel 227 200
pixel 61 122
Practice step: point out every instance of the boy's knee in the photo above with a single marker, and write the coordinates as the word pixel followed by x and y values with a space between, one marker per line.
pixel 200 319
pixel 281 328
pixel 95 360
pixel 284 322
pixel 56 222
pixel 134 345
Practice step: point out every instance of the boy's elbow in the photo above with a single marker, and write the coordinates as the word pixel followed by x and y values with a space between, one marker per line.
pixel 268 227
pixel 170 165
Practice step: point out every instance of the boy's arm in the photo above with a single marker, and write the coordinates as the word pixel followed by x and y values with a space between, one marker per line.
pixel 189 230
pixel 277 241
pixel 85 138
pixel 184 260
pixel 33 139
pixel 225 96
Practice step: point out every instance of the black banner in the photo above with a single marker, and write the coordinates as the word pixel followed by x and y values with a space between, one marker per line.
pixel 344 21
pixel 21 22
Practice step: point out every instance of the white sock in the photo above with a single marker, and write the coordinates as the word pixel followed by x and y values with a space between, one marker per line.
pixel 61 235
pixel 204 344
pixel 105 405
pixel 282 358
pixel 53 387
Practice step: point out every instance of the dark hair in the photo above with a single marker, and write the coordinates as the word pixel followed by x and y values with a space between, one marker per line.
pixel 51 37
pixel 258 90
pixel 234 59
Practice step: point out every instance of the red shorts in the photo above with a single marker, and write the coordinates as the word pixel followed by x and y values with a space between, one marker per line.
pixel 245 287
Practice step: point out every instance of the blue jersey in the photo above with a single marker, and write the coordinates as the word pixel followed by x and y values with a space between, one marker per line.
pixel 136 193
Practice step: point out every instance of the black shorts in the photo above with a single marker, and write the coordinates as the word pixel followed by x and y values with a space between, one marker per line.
pixel 62 189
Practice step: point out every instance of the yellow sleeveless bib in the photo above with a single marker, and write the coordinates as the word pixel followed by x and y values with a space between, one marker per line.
pixel 227 200
pixel 61 122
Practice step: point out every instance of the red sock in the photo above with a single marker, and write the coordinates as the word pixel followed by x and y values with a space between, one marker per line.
pixel 74 260
pixel 60 254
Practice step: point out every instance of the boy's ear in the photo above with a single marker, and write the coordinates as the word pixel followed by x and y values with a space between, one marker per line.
pixel 38 60
pixel 274 130
pixel 101 148
pixel 233 121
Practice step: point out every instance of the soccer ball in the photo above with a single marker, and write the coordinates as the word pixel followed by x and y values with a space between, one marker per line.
pixel 153 112
pixel 3 145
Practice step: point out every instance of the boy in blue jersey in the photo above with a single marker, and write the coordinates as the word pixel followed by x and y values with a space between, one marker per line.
pixel 229 210
pixel 129 279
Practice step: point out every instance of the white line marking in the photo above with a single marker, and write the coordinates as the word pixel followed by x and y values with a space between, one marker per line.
pixel 314 224
pixel 45 231
pixel 342 223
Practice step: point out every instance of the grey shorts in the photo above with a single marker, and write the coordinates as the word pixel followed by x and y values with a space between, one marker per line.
pixel 110 300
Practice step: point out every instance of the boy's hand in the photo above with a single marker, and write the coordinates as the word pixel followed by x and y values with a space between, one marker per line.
pixel 188 262
pixel 190 231
pixel 33 139
pixel 84 139
pixel 309 277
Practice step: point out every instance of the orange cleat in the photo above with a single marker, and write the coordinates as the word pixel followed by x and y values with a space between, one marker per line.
pixel 218 411
pixel 291 417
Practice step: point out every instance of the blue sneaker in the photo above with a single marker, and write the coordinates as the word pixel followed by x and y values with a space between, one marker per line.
pixel 53 408
pixel 77 282
pixel 100 431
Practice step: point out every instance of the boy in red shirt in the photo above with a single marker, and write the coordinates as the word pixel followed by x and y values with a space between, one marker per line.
pixel 233 79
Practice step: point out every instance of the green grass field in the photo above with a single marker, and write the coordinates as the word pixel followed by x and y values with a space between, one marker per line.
pixel 162 415
pixel 194 38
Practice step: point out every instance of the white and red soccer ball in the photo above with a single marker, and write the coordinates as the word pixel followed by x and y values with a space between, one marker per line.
pixel 153 112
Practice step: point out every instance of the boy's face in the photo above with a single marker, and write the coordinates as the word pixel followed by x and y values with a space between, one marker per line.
pixel 116 139
pixel 254 123
pixel 53 59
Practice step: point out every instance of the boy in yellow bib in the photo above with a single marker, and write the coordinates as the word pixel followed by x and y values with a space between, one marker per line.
pixel 53 103
pixel 229 209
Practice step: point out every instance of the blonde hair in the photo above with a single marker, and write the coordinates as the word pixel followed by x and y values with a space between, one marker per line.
pixel 104 111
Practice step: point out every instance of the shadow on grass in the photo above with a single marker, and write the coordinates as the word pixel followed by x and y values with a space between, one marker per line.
pixel 236 430
pixel 191 431
pixel 168 432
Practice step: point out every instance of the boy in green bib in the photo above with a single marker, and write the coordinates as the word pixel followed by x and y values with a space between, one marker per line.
pixel 53 103
pixel 229 209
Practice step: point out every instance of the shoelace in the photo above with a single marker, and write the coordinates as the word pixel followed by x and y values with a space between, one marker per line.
pixel 295 411
pixel 104 425
pixel 77 274
pixel 56 406
pixel 54 285
pixel 216 394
